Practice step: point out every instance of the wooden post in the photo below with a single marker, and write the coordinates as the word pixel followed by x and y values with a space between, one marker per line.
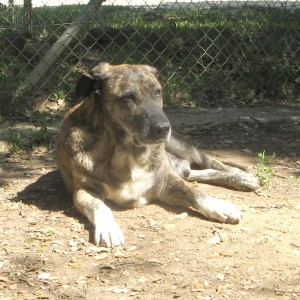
pixel 11 13
pixel 28 15
pixel 60 45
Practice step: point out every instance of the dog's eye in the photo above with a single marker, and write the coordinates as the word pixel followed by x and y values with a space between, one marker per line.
pixel 129 97
pixel 157 93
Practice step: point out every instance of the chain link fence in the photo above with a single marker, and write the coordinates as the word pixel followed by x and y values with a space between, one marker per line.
pixel 209 53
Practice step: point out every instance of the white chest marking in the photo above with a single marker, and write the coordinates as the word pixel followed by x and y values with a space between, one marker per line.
pixel 134 189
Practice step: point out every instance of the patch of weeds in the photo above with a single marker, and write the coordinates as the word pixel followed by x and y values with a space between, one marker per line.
pixel 16 142
pixel 49 233
pixel 43 121
pixel 58 95
pixel 31 139
pixel 42 136
pixel 264 172
pixel 296 180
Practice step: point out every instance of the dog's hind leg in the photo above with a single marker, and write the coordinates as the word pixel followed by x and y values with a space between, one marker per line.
pixel 185 149
pixel 209 170
pixel 179 192
pixel 236 179
pixel 107 231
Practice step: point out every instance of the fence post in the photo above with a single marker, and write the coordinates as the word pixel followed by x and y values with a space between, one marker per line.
pixel 60 45
pixel 11 13
pixel 28 15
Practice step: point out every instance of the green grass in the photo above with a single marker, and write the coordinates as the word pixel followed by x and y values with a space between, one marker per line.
pixel 207 57
pixel 264 172
pixel 33 138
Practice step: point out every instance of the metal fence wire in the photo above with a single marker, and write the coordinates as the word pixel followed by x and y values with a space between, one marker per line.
pixel 209 53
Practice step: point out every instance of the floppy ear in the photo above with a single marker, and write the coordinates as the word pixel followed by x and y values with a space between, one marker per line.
pixel 101 71
pixel 153 70
pixel 85 86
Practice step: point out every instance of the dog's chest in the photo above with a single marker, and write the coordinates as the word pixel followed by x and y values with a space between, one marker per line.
pixel 135 181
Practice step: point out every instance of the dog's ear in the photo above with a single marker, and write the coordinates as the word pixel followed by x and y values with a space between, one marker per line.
pixel 101 71
pixel 85 86
pixel 153 70
pixel 92 82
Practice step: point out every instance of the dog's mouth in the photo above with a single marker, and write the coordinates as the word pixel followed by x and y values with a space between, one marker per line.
pixel 150 142
pixel 137 143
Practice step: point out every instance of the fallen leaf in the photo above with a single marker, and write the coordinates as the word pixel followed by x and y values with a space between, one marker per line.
pixel 220 276
pixel 4 279
pixel 132 248
pixel 41 294
pixel 43 276
pixel 120 291
pixel 214 240
pixel 101 256
pixel 218 238
pixel 73 260
pixel 152 222
pixel 107 267
pixel 72 243
pixel 169 227
pixel 143 279
pixel 223 288
pixel 181 216
pixel 198 285
pixel 74 249
pixel 225 254
pixel 13 286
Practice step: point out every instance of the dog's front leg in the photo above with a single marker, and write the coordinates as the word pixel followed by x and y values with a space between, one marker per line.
pixel 107 231
pixel 182 193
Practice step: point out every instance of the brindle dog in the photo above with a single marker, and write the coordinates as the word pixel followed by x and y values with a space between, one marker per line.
pixel 117 145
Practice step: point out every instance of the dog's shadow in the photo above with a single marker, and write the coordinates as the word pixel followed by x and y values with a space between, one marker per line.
pixel 49 193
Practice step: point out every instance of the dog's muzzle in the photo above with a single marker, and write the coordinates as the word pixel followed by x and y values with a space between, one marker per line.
pixel 158 134
pixel 161 131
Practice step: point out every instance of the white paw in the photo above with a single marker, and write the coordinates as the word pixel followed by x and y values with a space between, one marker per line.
pixel 220 210
pixel 107 231
pixel 249 181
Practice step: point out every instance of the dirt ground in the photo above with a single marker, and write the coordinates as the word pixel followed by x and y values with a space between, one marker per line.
pixel 169 253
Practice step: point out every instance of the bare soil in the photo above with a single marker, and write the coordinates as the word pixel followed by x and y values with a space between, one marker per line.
pixel 169 253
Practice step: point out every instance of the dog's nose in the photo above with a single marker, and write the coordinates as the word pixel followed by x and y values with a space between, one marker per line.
pixel 161 130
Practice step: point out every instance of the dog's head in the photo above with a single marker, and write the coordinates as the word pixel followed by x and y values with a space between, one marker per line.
pixel 130 99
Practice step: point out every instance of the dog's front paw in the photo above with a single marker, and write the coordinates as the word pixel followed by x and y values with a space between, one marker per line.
pixel 107 231
pixel 220 210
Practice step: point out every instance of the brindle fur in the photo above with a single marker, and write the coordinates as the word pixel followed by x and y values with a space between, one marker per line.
pixel 117 145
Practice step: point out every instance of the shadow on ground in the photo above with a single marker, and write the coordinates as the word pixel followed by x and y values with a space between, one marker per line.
pixel 47 192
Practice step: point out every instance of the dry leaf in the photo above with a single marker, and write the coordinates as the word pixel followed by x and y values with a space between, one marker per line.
pixel 120 291
pixel 13 286
pixel 214 240
pixel 181 216
pixel 220 276
pixel 223 288
pixel 72 243
pixel 43 276
pixel 101 256
pixel 74 249
pixel 152 222
pixel 169 227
